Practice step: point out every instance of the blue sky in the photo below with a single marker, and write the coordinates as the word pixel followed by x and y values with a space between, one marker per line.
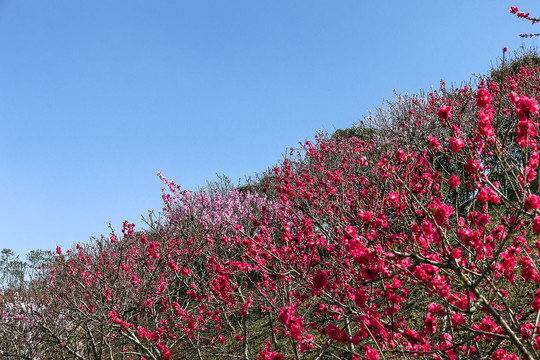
pixel 98 96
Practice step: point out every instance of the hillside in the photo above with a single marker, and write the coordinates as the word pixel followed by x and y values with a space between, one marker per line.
pixel 414 233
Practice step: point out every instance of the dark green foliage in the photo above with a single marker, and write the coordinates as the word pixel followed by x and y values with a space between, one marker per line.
pixel 15 273
pixel 363 133
pixel 509 67
pixel 525 61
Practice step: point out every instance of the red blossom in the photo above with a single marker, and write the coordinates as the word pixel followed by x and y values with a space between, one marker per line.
pixel 457 320
pixel 371 354
pixel 336 333
pixel 441 211
pixel 445 112
pixel 483 195
pixel 456 144
pixel 483 98
pixel 434 143
pixel 473 165
pixel 457 254
pixel 526 107
pixel 536 301
pixel 320 280
pixel 536 225
pixel 108 295
pixel 172 265
pixel 532 202
pixel 454 182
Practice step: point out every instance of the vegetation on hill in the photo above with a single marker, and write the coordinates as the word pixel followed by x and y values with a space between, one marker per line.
pixel 412 234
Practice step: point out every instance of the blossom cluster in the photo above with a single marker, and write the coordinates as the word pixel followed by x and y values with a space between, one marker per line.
pixel 527 16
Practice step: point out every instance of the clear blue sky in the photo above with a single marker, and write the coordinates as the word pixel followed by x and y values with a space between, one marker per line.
pixel 98 96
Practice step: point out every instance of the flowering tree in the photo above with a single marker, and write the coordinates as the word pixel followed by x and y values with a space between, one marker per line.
pixel 148 295
pixel 370 249
pixel 15 324
pixel 406 266
pixel 526 16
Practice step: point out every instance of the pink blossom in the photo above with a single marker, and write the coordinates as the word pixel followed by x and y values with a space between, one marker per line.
pixel 296 328
pixel 525 106
pixel 526 330
pixel 457 319
pixel 454 181
pixel 457 254
pixel 430 323
pixel 473 165
pixel 441 211
pixel 434 143
pixel 536 225
pixel 445 112
pixel 172 265
pixel 107 295
pixel 534 160
pixel 336 333
pixel 320 280
pixel 456 144
pixel 536 301
pixel 483 98
pixel 372 354
pixel 532 202
pixel 393 196
pixel 485 116
pixel 266 354
pixel 483 196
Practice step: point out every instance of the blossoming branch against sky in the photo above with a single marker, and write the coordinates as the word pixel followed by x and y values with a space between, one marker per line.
pixel 96 97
